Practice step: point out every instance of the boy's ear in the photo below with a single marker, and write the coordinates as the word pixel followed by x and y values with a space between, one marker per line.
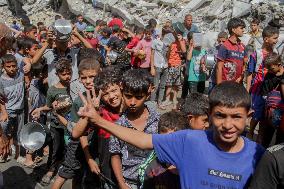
pixel 189 118
pixel 250 113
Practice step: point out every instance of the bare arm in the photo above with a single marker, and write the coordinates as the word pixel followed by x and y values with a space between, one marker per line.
pixel 117 170
pixel 189 53
pixel 82 39
pixel 134 137
pixel 249 79
pixel 182 46
pixel 91 162
pixel 219 70
pixel 129 32
pixel 80 128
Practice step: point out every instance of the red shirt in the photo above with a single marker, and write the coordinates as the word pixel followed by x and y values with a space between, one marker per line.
pixel 132 44
pixel 115 21
pixel 232 54
pixel 93 41
pixel 109 116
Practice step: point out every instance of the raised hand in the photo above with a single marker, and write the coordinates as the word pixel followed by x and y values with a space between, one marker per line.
pixel 88 110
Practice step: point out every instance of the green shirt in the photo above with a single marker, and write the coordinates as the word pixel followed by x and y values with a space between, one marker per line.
pixel 194 69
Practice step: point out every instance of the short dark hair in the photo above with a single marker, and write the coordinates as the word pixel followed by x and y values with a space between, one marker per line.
pixel 26 43
pixel 137 81
pixel 196 104
pixel 229 94
pixel 272 59
pixel 57 17
pixel 269 31
pixel 222 35
pixel 39 23
pixel 148 29
pixel 152 23
pixel 108 76
pixel 89 53
pixel 235 23
pixel 255 21
pixel 62 65
pixel 189 36
pixel 173 120
pixel 89 64
pixel 139 30
pixel 8 58
pixel 29 28
pixel 79 15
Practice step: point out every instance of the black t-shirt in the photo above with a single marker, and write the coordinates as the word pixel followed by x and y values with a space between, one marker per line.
pixel 269 173
pixel 270 83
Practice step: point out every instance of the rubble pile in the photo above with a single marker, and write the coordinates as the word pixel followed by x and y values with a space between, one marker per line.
pixel 209 15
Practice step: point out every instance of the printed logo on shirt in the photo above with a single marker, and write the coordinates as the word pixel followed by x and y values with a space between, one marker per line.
pixel 232 70
pixel 225 175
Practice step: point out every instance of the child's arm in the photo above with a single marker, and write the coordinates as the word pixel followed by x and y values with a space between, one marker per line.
pixel 249 79
pixel 189 53
pixel 134 137
pixel 4 114
pixel 91 162
pixel 36 113
pixel 117 170
pixel 81 38
pixel 219 70
pixel 129 32
pixel 61 119
pixel 153 71
pixel 80 128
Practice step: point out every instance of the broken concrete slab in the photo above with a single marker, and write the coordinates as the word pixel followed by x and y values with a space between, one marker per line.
pixel 192 6
pixel 3 2
pixel 123 14
pixel 240 8
pixel 216 8
pixel 168 2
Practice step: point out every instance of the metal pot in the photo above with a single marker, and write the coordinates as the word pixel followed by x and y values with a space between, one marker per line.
pixel 62 29
pixel 33 136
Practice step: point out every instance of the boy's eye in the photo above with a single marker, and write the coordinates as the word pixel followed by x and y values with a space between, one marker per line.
pixel 128 96
pixel 138 97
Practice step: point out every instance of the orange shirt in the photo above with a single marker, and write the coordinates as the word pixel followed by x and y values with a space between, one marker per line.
pixel 174 56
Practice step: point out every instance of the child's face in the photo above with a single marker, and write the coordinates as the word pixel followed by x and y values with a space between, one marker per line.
pixel 148 36
pixel 221 40
pixel 239 31
pixel 112 96
pixel 199 122
pixel 275 68
pixel 32 34
pixel 272 40
pixel 33 50
pixel 87 78
pixel 89 34
pixel 134 102
pixel 228 124
pixel 65 76
pixel 11 68
pixel 254 27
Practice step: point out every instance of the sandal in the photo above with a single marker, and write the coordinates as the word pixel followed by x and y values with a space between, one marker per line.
pixel 45 181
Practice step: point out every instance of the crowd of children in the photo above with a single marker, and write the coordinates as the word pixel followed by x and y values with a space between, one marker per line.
pixel 103 92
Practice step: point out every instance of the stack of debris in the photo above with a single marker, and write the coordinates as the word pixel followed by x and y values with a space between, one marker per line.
pixel 209 15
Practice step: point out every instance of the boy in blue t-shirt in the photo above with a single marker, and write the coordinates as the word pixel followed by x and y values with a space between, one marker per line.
pixel 217 158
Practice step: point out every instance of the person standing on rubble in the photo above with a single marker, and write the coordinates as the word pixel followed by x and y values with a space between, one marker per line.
pixel 189 26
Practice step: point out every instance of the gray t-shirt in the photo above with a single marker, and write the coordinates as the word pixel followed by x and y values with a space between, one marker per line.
pixel 14 90
pixel 160 59
pixel 51 59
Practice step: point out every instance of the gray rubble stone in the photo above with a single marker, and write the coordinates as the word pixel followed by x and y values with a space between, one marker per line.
pixel 191 6
pixel 123 14
pixel 240 8
pixel 216 8
pixel 168 2
pixel 3 2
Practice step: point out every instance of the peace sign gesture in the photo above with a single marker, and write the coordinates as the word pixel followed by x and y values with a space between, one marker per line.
pixel 96 99
pixel 89 110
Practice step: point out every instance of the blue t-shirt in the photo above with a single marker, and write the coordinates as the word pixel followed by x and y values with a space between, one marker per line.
pixel 202 165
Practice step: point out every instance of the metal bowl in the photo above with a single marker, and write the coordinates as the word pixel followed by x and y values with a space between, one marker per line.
pixel 33 136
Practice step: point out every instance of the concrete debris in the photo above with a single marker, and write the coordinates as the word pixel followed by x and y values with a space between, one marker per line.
pixel 241 8
pixel 3 2
pixel 208 15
